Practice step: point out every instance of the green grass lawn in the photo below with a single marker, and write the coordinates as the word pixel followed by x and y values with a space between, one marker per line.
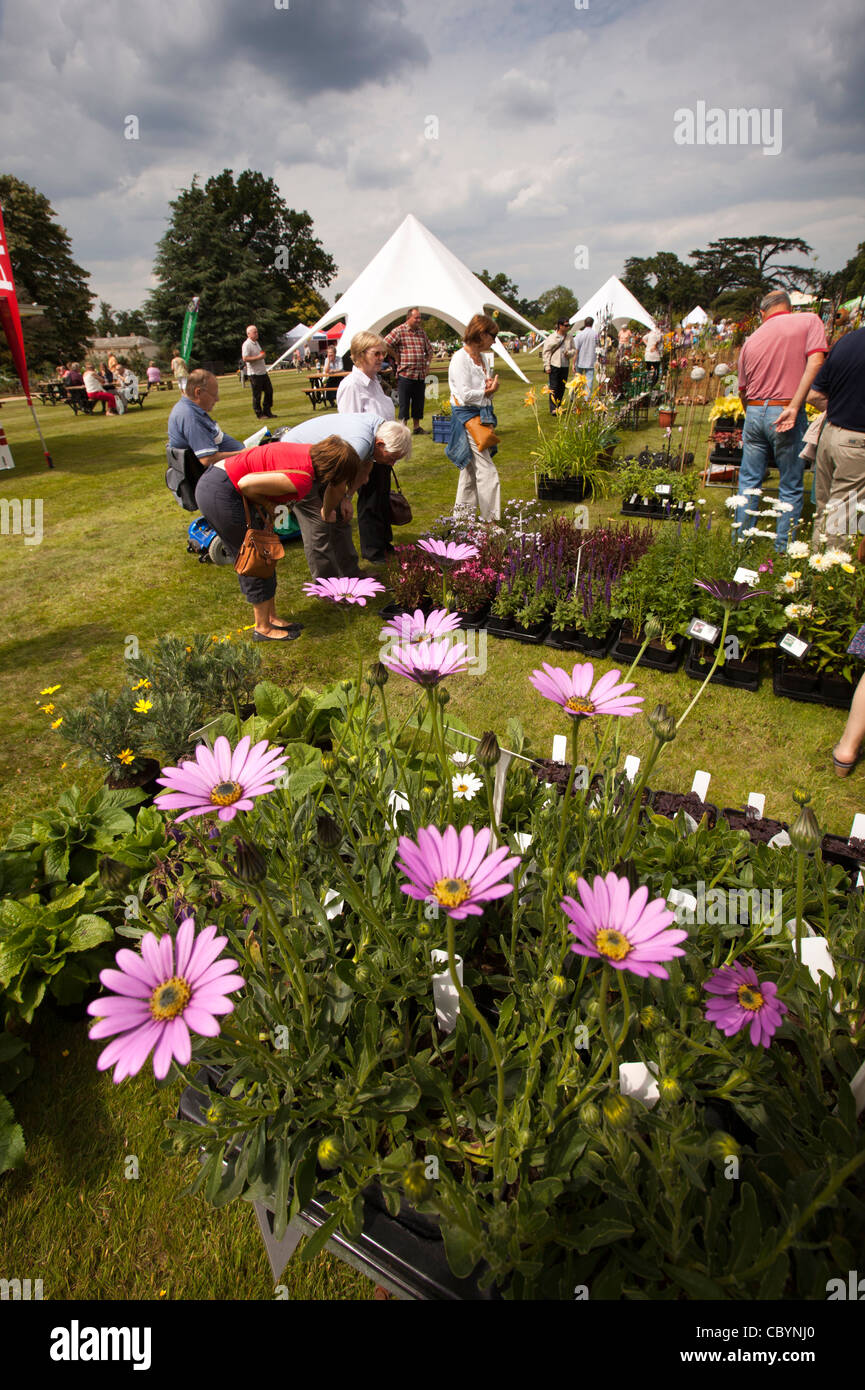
pixel 113 565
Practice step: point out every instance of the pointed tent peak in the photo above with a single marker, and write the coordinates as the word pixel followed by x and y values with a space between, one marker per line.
pixel 415 268
pixel 614 303
pixel 696 317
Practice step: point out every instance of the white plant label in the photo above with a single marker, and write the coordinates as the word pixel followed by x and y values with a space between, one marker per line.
pixel 445 996
pixel 743 576
pixel 663 489
pixel 638 1080
pixel 757 800
pixel 632 767
pixel 704 632
pixel 794 645
pixel 560 748
pixel 857 829
pixel 700 784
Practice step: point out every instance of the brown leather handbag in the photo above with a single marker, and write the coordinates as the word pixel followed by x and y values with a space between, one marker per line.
pixel 484 436
pixel 400 507
pixel 261 547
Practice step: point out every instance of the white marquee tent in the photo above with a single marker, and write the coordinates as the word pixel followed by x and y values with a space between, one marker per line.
pixel 696 318
pixel 613 302
pixel 413 268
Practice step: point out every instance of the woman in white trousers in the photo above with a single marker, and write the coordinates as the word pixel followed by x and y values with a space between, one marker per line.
pixel 472 383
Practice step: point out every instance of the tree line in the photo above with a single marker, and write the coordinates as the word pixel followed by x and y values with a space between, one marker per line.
pixel 238 246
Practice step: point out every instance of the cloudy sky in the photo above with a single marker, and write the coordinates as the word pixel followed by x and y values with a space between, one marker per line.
pixel 553 125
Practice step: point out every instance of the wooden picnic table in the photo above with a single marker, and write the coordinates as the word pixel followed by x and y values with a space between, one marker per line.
pixel 318 393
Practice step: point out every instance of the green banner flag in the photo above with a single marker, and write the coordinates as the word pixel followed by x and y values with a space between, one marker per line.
pixel 190 319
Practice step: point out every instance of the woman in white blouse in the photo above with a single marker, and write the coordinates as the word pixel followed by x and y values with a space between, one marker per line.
pixel 360 393
pixel 472 387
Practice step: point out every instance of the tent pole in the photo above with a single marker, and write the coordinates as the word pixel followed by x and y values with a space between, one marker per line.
pixel 48 457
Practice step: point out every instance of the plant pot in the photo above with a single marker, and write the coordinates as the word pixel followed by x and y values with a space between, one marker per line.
pixel 500 627
pixel 850 854
pixel 563 639
pixel 531 635
pixel 598 647
pixel 760 828
pixel 836 691
pixel 475 619
pixel 145 778
pixel 670 803
pixel 560 489
pixel 795 682
pixel 738 675
pixel 725 424
pixel 656 656
pixel 666 419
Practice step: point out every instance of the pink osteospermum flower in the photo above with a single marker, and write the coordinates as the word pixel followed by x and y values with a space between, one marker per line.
pixel 743 1001
pixel 454 870
pixel 622 929
pixel 221 780
pixel 344 590
pixel 159 995
pixel 415 627
pixel 448 552
pixel 575 694
pixel 427 663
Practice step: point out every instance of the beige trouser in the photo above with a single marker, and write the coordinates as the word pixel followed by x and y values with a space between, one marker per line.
pixel 479 489
pixel 840 471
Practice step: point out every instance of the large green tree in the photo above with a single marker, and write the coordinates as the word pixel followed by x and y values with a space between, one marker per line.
pixel 663 284
pixel 45 274
pixel 249 257
pixel 738 271
pixel 554 304
pixel 502 285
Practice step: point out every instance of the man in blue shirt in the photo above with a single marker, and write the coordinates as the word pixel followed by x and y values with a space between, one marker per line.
pixel 329 548
pixel 190 425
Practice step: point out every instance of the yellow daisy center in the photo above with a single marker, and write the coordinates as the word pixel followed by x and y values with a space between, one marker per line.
pixel 226 793
pixel 170 999
pixel 749 998
pixel 612 944
pixel 578 704
pixel 451 891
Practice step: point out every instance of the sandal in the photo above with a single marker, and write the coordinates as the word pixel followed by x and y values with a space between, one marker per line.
pixel 288 627
pixel 290 636
pixel 842 769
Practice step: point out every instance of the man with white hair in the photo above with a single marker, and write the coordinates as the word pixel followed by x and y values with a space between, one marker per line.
pixel 254 357
pixel 329 548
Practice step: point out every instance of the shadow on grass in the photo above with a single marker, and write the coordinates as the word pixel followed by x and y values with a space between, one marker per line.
pixel 46 647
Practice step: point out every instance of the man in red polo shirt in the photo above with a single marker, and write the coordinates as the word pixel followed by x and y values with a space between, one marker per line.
pixel 785 352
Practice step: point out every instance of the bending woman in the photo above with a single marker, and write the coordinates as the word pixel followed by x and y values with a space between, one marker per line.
pixel 274 474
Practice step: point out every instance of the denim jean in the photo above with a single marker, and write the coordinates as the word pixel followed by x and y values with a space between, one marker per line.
pixel 762 445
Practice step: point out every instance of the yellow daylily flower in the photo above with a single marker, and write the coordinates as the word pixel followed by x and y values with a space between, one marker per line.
pixel 530 398
pixel 50 690
pixel 143 706
pixel 57 723
pixel 143 684
pixel 47 709
pixel 126 756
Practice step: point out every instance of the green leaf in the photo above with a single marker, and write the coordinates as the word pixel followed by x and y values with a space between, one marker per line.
pixel 56 861
pixel 402 1097
pixel 696 1284
pixel 461 1248
pixel 304 781
pixel 602 1233
pixel 270 700
pixel 89 931
pixel 774 1280
pixel 316 1243
pixel 12 1148
pixel 746 1229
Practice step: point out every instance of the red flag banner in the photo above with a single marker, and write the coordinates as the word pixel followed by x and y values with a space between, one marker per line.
pixel 9 315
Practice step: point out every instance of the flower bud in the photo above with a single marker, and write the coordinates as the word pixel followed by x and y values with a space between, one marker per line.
pixel 734 1081
pixel 416 1184
pixel 651 1018
pixel 669 1088
pixel 723 1146
pixel 391 1040
pixel 589 1115
pixel 801 797
pixel 378 674
pixel 113 875
pixel 559 987
pixel 662 724
pixel 443 696
pixel 488 751
pixel 215 1113
pixel 691 994
pixel 330 1153
pixel 250 865
pixel 252 945
pixel 328 764
pixel 617 1111
pixel 327 832
pixel 664 1039
pixel 805 832
pixel 651 628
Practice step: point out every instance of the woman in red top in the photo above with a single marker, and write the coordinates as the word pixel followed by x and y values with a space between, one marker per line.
pixel 273 474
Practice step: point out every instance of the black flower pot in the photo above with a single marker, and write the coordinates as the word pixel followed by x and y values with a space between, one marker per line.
pixel 598 647
pixel 533 635
pixel 850 854
pixel 794 681
pixel 475 619
pixel 836 691
pixel 738 675
pixel 500 627
pixel 563 639
pixel 655 657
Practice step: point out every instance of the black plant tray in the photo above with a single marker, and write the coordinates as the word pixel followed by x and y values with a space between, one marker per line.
pixel 760 828
pixel 403 1252
pixel 730 458
pixel 850 854
pixel 655 658
pixel 688 802
pixel 477 619
pixel 569 639
pixel 794 682
pixel 506 627
pixel 560 489
pixel 393 610
pixel 738 675
pixel 653 511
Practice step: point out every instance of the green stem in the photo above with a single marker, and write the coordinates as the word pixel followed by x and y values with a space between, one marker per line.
pixel 800 897
pixel 468 1007
pixel 719 656
pixel 605 1024
pixel 291 959
pixel 634 815
pixel 566 802
pixel 611 723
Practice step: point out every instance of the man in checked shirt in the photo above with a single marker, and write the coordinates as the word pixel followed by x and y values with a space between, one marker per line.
pixel 414 354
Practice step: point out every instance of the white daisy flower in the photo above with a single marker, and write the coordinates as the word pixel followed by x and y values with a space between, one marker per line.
pixel 461 759
pixel 753 492
pixel 838 557
pixel 798 550
pixel 790 584
pixel 749 511
pixel 466 786
pixel 735 525
pixel 799 610
pixel 737 501
pixel 783 506
pixel 701 501
pixel 819 563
